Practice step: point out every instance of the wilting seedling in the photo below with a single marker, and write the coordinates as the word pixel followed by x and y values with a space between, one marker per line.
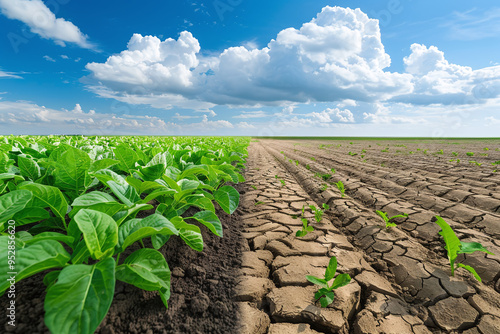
pixel 454 246
pixel 341 188
pixel 387 219
pixel 326 294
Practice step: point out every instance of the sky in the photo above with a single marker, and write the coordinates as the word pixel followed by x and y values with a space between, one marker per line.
pixel 258 68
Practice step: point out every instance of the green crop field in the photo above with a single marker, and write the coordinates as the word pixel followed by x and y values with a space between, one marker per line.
pixel 71 204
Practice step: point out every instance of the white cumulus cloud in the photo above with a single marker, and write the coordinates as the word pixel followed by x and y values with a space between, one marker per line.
pixel 336 56
pixel 43 22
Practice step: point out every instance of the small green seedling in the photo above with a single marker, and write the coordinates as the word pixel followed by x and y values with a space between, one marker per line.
pixel 326 294
pixel 313 158
pixel 253 187
pixel 352 154
pixel 296 162
pixel 496 163
pixel 486 149
pixel 259 203
pixel 454 154
pixel 308 167
pixel 305 227
pixel 318 213
pixel 470 154
pixel 333 170
pixel 454 247
pixel 323 188
pixel 388 219
pixel 282 182
pixel 341 188
pixel 385 150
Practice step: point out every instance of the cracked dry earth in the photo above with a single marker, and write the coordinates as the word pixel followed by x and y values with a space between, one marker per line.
pixel 401 279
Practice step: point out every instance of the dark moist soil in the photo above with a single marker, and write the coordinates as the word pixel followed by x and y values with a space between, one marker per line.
pixel 201 299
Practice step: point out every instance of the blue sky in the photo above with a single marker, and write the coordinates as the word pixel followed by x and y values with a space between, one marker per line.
pixel 240 67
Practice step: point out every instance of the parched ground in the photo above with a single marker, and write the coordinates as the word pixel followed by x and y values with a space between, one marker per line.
pixel 401 276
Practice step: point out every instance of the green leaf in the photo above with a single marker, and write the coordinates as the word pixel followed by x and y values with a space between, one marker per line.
pixel 80 299
pixel 71 171
pixel 471 247
pixel 121 216
pixel 137 229
pixel 51 236
pixel 327 299
pixel 152 173
pixel 29 168
pixel 126 156
pixel 383 215
pixel 30 215
pixel 191 234
pixel 102 164
pixel 99 230
pixel 340 281
pixel 331 269
pixel 51 278
pixel 228 198
pixel 126 194
pixel 30 259
pixel 146 269
pixel 94 197
pixel 211 221
pixel 11 203
pixel 301 233
pixel 470 269
pixel 318 281
pixel 451 240
pixel 48 197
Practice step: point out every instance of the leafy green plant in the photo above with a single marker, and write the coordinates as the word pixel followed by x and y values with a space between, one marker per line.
pixel 306 228
pixel 77 199
pixel 388 220
pixel 454 246
pixel 340 186
pixel 326 294
pixel 318 213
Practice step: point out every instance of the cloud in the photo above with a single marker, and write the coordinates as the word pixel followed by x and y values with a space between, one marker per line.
pixel 49 58
pixel 333 115
pixel 9 75
pixel 437 81
pixel 43 22
pixel 28 118
pixel 245 125
pixel 336 56
pixel 64 57
pixel 251 114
